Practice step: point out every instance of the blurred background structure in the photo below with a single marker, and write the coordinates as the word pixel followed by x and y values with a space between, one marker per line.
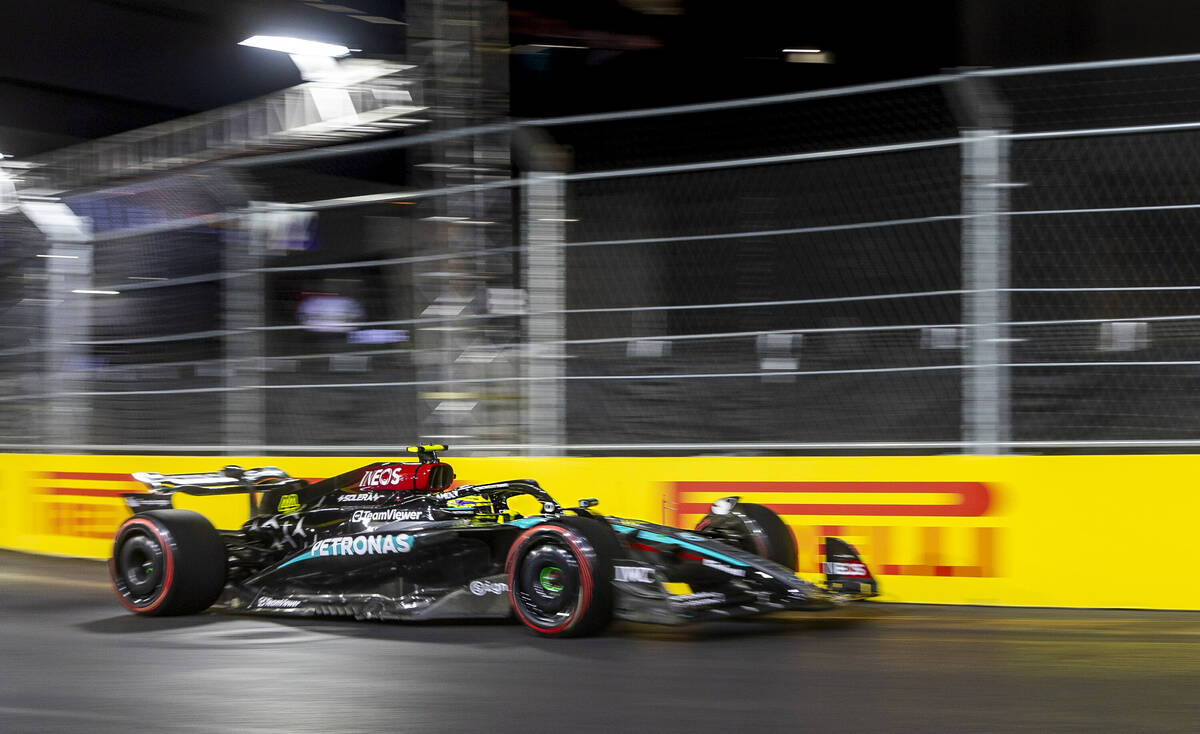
pixel 497 235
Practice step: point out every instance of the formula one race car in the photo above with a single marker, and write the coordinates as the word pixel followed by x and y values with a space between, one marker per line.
pixel 395 540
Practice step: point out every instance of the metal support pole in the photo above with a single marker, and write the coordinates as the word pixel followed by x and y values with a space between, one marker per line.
pixel 987 406
pixel 68 324
pixel 460 47
pixel 244 311
pixel 545 396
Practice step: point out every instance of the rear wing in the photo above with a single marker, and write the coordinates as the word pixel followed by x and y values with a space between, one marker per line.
pixel 229 480
pixel 270 489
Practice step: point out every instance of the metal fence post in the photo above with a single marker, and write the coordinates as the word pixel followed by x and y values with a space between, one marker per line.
pixel 545 395
pixel 986 402
pixel 460 48
pixel 243 309
pixel 68 324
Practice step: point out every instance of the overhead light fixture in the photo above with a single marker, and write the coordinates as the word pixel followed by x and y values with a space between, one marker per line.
pixel 92 292
pixel 807 56
pixel 296 46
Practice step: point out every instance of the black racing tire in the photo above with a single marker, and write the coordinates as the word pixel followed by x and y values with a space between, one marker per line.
pixel 756 529
pixel 167 563
pixel 560 577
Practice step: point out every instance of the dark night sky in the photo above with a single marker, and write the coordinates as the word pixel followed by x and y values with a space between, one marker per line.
pixel 78 69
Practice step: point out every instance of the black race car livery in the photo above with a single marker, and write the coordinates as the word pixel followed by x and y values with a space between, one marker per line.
pixel 398 541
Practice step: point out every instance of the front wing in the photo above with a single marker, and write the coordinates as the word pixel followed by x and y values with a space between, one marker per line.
pixel 740 583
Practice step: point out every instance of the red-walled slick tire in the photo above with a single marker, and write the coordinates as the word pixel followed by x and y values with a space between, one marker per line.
pixel 560 577
pixel 167 562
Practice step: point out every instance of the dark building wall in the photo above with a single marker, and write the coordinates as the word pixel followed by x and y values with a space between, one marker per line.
pixel 1006 33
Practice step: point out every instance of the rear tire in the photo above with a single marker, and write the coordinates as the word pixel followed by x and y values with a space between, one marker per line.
pixel 560 577
pixel 755 529
pixel 167 562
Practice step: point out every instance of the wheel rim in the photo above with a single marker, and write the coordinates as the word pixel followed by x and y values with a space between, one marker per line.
pixel 551 579
pixel 140 567
pixel 548 584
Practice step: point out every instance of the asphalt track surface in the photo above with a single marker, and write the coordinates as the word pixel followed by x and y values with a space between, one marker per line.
pixel 72 660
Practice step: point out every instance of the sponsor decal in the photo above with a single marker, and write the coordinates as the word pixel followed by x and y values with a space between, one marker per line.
pixel 834 568
pixel 285 531
pixel 392 515
pixel 77 520
pixel 152 503
pixel 970 499
pixel 362 545
pixel 267 602
pixel 704 598
pixel 387 477
pixel 63 506
pixel 894 515
pixel 289 503
pixel 633 574
pixel 480 587
pixel 360 497
pixel 722 567
pixel 295 533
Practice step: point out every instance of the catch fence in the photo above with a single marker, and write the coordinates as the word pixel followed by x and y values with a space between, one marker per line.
pixel 983 262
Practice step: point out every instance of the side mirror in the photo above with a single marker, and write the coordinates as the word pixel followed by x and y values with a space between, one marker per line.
pixel 724 506
pixel 590 502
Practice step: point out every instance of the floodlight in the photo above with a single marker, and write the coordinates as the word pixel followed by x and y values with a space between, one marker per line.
pixel 295 46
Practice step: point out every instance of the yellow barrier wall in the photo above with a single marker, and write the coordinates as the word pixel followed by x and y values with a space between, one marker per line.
pixel 1088 531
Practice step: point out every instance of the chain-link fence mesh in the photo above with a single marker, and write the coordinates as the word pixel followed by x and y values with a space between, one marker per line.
pixel 161 340
pixel 766 302
pixel 24 301
pixel 798 273
pixel 1104 255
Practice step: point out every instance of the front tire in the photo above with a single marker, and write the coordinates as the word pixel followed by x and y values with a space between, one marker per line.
pixel 560 577
pixel 756 529
pixel 167 562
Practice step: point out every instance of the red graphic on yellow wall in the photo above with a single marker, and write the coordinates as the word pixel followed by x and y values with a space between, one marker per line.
pixel 81 504
pixel 907 528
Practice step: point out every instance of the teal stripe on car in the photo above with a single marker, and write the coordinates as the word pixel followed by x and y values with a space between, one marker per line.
pixel 668 540
pixel 302 557
pixel 527 522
